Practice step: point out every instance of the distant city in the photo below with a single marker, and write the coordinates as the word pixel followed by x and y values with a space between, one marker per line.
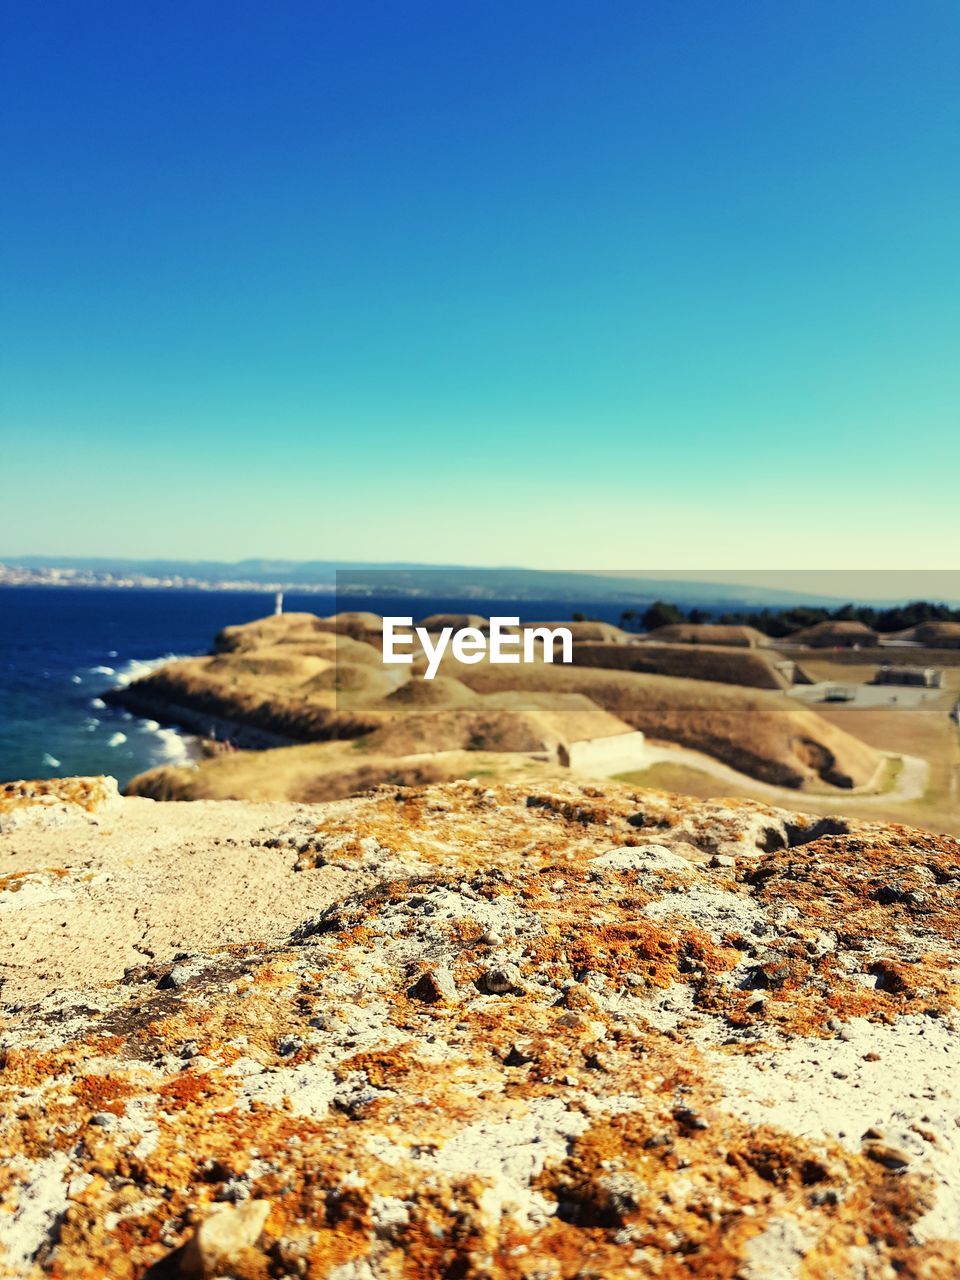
pixel 59 576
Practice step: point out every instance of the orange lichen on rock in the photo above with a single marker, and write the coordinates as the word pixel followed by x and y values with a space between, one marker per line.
pixel 88 794
pixel 555 1035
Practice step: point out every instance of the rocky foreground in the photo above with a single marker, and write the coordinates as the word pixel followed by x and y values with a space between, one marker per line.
pixel 532 1035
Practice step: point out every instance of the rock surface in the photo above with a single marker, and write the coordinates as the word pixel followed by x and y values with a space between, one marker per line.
pixel 516 1034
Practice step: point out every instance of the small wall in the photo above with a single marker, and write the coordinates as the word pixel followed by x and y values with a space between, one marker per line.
pixel 925 677
pixel 616 754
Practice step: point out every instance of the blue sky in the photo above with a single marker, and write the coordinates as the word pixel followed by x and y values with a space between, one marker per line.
pixel 568 284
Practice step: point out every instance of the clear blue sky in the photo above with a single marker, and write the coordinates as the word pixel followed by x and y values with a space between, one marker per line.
pixel 661 284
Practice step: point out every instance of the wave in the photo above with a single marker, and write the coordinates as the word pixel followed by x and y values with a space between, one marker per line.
pixel 116 739
pixel 76 679
pixel 169 746
pixel 50 761
pixel 174 748
pixel 132 670
pixel 98 704
pixel 136 668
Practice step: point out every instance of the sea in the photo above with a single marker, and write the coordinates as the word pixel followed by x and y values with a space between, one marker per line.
pixel 61 648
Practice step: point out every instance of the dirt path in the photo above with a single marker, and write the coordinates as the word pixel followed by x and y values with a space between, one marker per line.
pixel 910 784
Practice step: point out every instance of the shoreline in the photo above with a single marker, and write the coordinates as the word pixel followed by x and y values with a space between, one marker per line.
pixel 198 725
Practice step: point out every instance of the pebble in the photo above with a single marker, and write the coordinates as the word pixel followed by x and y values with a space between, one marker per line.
pixel 178 977
pixel 690 1120
pixel 221 1237
pixel 500 979
pixel 883 1153
pixel 200 1063
pixel 519 1054
pixel 435 986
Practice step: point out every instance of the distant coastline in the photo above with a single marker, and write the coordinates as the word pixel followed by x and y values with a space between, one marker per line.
pixel 12 576
pixel 581 589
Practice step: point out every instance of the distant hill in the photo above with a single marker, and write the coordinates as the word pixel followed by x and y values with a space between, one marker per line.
pixel 412 580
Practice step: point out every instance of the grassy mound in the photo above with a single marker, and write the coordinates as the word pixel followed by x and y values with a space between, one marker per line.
pixel 357 623
pixel 832 634
pixel 286 628
pixel 761 734
pixel 442 691
pixel 935 635
pixel 751 668
pixel 457 729
pixel 437 621
pixel 709 633
pixel 604 632
pixel 314 772
pixel 361 682
pixel 282 680
pixel 198 691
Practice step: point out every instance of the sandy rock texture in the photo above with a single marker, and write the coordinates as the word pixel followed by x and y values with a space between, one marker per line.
pixel 91 885
pixel 489 1033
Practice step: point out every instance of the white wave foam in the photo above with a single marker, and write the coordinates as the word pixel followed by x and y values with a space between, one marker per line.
pixel 136 668
pixel 102 671
pixel 116 739
pixel 91 723
pixel 173 748
pixel 76 679
pixel 50 761
pixel 98 704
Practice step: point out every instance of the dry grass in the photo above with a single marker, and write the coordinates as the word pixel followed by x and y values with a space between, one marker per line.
pixel 315 772
pixel 925 731
pixel 600 632
pixel 284 702
pixel 353 683
pixel 826 635
pixel 457 729
pixel 936 635
pixel 681 779
pixel 443 691
pixel 437 621
pixel 902 656
pixel 765 735
pixel 709 633
pixel 280 676
pixel 300 631
pixel 747 667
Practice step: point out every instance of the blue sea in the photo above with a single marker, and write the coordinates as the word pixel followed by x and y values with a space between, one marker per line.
pixel 62 647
